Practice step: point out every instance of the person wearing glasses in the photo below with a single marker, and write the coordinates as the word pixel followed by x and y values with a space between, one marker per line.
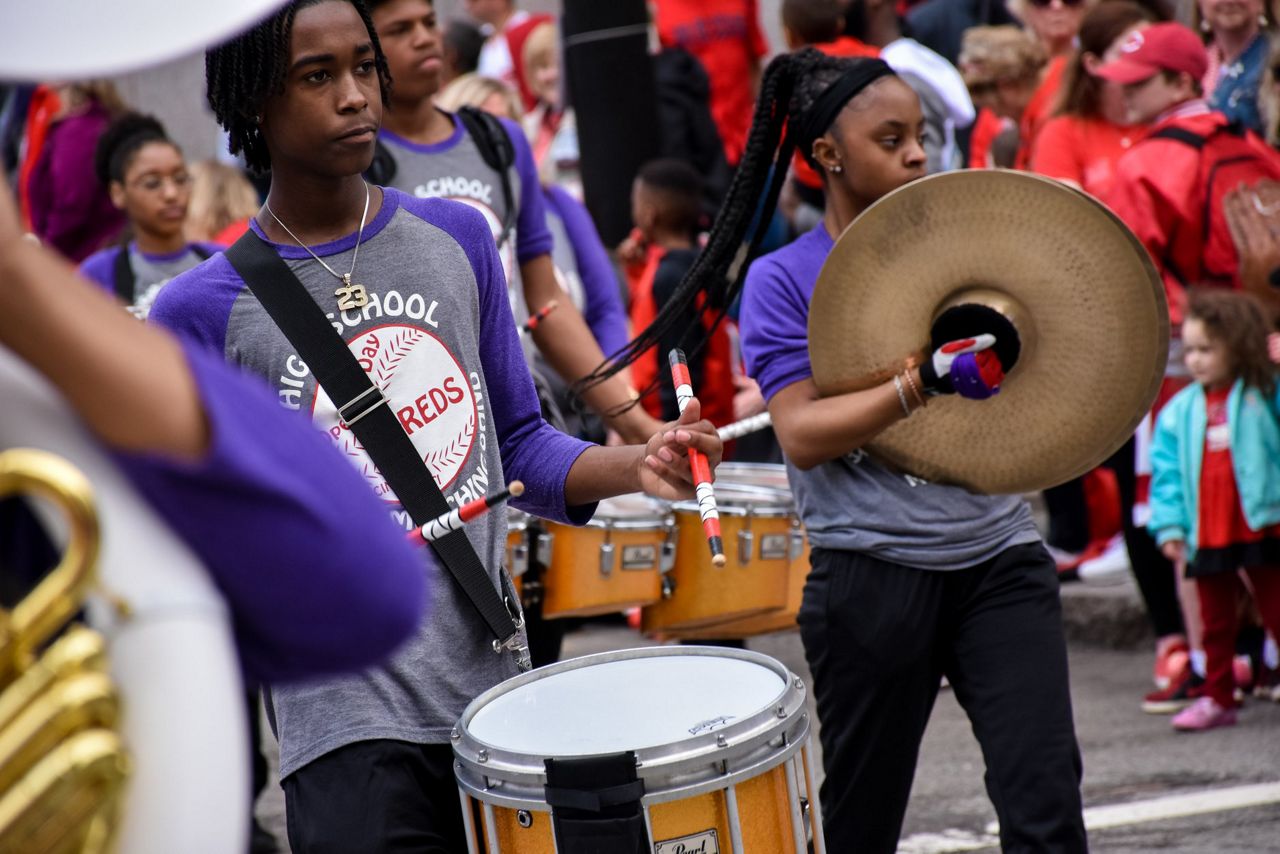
pixel 1055 24
pixel 147 178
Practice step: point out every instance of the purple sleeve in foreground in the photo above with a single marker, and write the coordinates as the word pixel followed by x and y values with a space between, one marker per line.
pixel 603 312
pixel 532 236
pixel 317 577
pixel 532 450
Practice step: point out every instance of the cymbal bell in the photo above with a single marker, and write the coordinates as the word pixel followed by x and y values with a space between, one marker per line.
pixel 1086 302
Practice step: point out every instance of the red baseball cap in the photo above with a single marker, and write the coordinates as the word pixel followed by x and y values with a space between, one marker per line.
pixel 1159 47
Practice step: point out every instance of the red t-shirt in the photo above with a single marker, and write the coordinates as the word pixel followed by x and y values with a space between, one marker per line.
pixel 1082 150
pixel 986 128
pixel 726 38
pixel 1039 109
pixel 1221 517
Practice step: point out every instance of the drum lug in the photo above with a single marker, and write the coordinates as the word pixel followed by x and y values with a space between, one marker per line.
pixel 524 818
pixel 746 544
pixel 545 542
pixel 667 561
pixel 519 560
pixel 608 554
pixel 668 586
pixel 797 540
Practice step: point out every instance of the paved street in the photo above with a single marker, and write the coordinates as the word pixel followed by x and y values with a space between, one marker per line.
pixel 1135 765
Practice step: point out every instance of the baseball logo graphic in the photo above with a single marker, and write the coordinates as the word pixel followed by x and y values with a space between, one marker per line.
pixel 507 252
pixel 428 391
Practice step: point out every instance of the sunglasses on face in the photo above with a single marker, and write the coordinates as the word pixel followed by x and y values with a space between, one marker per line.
pixel 1045 4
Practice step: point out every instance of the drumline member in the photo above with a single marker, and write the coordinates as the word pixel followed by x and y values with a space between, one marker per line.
pixel 147 178
pixel 365 759
pixel 256 492
pixel 434 154
pixel 911 580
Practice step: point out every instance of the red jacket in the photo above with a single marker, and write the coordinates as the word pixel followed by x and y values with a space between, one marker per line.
pixel 1157 194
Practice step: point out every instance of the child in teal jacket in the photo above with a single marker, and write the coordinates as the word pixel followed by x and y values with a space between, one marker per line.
pixel 1215 488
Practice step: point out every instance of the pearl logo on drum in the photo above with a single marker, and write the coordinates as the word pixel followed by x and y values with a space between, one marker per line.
pixel 698 843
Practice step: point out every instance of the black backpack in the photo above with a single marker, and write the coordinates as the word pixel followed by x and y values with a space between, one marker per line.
pixel 495 149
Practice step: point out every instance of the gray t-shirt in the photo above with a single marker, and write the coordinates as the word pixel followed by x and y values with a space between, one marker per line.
pixel 151 272
pixel 435 293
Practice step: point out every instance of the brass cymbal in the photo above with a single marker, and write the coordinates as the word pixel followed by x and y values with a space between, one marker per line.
pixel 1081 291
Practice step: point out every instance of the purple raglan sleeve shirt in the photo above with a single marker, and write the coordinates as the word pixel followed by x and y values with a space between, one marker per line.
pixel 268 510
pixel 533 451
pixel 774 320
pixel 604 312
pixel 99 268
pixel 532 237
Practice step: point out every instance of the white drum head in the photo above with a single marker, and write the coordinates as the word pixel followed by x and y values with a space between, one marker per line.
pixel 626 704
pixel 73 39
pixel 631 507
pixel 772 475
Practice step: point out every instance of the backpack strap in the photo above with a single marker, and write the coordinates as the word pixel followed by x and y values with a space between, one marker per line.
pixel 1182 135
pixel 122 275
pixel 199 251
pixel 292 308
pixel 498 153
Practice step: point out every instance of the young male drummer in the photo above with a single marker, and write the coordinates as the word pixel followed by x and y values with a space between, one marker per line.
pixel 365 760
pixel 435 155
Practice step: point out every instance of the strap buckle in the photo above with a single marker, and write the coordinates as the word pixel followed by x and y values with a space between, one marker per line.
pixel 378 399
pixel 515 644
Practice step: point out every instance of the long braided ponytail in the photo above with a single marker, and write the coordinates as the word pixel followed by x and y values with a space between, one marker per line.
pixel 790 85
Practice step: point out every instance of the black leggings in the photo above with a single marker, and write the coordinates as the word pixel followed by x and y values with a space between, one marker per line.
pixel 878 638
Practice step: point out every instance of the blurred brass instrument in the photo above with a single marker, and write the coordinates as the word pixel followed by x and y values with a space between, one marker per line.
pixel 62 762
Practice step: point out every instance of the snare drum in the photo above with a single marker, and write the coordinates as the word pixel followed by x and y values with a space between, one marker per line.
pixel 756 524
pixel 612 563
pixel 720 739
pixel 517 546
pixel 773 476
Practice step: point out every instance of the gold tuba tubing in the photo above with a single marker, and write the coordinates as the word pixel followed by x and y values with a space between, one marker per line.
pixel 63 766
pixel 56 599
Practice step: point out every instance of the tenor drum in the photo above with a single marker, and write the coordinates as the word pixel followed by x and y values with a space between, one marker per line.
pixel 614 562
pixel 720 739
pixel 772 476
pixel 517 546
pixel 756 523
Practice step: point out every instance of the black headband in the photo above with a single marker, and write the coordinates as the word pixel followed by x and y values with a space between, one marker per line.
pixel 827 106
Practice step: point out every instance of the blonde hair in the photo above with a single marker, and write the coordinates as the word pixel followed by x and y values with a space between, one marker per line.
pixel 544 39
pixel 472 90
pixel 1006 53
pixel 101 90
pixel 220 196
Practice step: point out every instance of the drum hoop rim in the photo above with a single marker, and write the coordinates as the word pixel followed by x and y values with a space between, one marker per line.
pixel 798 737
pixel 622 523
pixel 772 719
pixel 729 508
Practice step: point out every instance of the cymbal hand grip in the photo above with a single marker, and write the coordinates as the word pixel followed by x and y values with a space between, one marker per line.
pixel 968 367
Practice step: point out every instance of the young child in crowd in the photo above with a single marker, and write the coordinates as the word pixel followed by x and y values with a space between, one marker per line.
pixel 148 179
pixel 666 210
pixel 1215 495
pixel 1162 189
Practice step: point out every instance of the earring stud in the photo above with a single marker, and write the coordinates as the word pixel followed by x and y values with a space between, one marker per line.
pixel 836 168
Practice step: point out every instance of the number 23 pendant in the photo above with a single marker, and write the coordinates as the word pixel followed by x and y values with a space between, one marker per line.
pixel 351 296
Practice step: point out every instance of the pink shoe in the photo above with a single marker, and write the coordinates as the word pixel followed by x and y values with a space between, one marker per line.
pixel 1203 714
pixel 1173 662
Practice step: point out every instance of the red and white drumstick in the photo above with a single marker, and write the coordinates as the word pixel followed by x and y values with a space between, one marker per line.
pixel 738 429
pixel 459 516
pixel 536 318
pixel 698 463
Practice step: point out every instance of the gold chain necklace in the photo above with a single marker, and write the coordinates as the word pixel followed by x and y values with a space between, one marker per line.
pixel 349 296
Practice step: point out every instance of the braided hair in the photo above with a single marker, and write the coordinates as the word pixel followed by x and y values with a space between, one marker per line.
pixel 244 72
pixel 121 140
pixel 790 86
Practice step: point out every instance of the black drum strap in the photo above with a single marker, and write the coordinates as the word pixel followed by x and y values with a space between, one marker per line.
pixel 595 805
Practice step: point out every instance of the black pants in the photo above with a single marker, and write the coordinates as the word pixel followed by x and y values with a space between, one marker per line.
pixel 1068 515
pixel 1151 569
pixel 378 797
pixel 879 636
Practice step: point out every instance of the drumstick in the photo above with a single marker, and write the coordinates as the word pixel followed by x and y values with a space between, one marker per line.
pixel 459 516
pixel 698 462
pixel 738 429
pixel 541 315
